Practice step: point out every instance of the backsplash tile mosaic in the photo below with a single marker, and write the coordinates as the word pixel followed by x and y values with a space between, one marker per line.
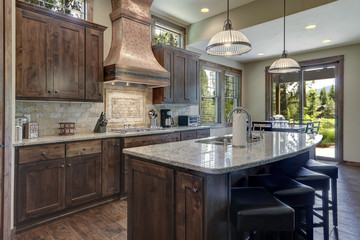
pixel 123 105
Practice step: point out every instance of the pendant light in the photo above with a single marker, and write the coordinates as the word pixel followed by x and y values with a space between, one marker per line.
pixel 284 64
pixel 228 42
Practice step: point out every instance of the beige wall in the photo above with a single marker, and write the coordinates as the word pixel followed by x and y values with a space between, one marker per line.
pixel 254 86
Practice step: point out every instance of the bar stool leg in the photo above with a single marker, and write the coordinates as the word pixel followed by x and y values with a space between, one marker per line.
pixel 325 206
pixel 334 201
pixel 309 223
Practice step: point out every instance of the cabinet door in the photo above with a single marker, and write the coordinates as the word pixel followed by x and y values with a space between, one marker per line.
pixel 192 84
pixel 69 60
pixel 189 207
pixel 169 66
pixel 150 201
pixel 40 189
pixel 34 62
pixel 180 73
pixel 83 183
pixel 94 65
pixel 110 167
pixel 189 135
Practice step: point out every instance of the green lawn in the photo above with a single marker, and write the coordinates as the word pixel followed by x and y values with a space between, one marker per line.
pixel 327 129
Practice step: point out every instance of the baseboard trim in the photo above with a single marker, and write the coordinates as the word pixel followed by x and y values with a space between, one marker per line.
pixel 353 164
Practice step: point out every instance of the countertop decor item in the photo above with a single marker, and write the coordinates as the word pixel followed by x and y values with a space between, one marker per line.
pixel 284 64
pixel 67 128
pixel 228 42
pixel 31 130
pixel 101 123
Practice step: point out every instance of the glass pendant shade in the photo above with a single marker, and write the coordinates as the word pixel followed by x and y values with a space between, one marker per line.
pixel 284 65
pixel 228 43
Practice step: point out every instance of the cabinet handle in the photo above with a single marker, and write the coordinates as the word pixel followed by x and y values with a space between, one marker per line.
pixel 56 91
pixel 195 190
pixel 69 165
pixel 43 153
pixel 62 165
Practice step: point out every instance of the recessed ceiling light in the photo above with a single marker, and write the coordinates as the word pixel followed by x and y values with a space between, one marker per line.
pixel 310 27
pixel 260 54
pixel 204 10
pixel 327 41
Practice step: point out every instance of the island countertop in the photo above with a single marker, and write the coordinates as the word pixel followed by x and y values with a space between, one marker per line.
pixel 216 159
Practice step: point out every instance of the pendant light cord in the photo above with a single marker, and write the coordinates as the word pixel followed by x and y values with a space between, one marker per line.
pixel 284 22
pixel 228 19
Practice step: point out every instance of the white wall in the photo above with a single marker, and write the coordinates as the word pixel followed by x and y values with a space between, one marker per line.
pixel 254 87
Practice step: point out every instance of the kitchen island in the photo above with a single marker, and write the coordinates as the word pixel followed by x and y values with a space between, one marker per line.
pixel 181 190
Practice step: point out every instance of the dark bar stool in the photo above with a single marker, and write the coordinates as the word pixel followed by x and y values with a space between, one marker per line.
pixel 253 209
pixel 319 182
pixel 332 172
pixel 296 195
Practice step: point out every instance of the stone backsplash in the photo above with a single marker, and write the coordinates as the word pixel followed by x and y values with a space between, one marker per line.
pixel 123 105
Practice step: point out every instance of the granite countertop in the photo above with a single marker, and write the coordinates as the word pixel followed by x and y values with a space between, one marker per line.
pixel 93 136
pixel 216 159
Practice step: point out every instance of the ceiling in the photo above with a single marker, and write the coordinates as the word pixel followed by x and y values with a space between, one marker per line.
pixel 337 21
pixel 188 11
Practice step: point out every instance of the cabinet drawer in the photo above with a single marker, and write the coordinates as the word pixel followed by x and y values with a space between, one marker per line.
pixel 41 153
pixel 187 135
pixel 203 133
pixel 139 141
pixel 83 148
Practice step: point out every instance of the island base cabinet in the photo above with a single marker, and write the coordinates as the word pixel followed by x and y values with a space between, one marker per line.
pixel 40 189
pixel 150 201
pixel 189 207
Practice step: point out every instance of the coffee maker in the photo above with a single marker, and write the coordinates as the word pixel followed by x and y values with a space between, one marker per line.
pixel 166 118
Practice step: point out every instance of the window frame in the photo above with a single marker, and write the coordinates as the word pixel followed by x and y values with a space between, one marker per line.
pixel 169 26
pixel 225 70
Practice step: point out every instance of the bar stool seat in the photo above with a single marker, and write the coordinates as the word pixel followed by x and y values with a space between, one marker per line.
pixel 333 172
pixel 295 194
pixel 255 209
pixel 315 180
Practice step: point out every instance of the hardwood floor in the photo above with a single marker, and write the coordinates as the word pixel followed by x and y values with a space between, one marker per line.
pixel 109 221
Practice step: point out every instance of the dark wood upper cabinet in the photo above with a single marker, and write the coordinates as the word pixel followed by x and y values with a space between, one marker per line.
pixel 83 182
pixel 40 188
pixel 69 60
pixel 94 65
pixel 58 57
pixel 184 71
pixel 34 55
pixel 111 167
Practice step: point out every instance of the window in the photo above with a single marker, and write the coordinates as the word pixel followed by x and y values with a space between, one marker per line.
pixel 232 92
pixel 220 92
pixel 75 8
pixel 210 96
pixel 168 36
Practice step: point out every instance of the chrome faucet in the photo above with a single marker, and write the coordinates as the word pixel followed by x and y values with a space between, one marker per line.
pixel 228 121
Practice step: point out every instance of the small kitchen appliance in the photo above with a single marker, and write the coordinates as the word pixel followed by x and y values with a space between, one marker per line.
pixel 189 121
pixel 166 118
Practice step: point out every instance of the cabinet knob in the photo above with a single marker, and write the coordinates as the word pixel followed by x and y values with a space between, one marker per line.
pixel 49 91
pixel 43 153
pixel 118 144
pixel 84 149
pixel 195 190
pixel 187 98
pixel 56 91
pixel 62 165
pixel 69 164
pixel 100 94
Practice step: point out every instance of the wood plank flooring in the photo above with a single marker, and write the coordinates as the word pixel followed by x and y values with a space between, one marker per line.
pixel 109 221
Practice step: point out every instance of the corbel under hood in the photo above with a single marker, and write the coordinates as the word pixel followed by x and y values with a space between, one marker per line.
pixel 131 60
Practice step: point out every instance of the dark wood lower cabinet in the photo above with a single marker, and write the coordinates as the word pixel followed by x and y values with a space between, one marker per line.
pixel 40 188
pixel 189 207
pixel 83 182
pixel 151 208
pixel 111 167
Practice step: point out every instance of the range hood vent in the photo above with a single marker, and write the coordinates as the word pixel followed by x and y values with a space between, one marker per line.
pixel 131 60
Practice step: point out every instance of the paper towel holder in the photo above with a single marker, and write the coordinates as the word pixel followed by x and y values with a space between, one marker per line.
pixel 239 109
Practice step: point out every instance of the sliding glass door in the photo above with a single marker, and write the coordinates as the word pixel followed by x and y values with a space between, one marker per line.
pixel 315 94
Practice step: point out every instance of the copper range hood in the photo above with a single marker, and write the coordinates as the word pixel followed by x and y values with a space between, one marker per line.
pixel 131 61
